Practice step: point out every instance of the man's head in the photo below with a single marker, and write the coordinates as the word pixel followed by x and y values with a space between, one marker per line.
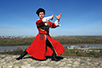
pixel 40 12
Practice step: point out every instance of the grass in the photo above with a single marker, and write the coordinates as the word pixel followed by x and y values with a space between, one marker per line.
pixel 94 49
pixel 80 53
pixel 69 40
pixel 67 52
pixel 62 39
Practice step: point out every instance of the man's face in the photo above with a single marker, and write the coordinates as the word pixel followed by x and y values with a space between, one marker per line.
pixel 41 14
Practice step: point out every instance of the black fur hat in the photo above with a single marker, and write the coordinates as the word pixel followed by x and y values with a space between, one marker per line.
pixel 40 10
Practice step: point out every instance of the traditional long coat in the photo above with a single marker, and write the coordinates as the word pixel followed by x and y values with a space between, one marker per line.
pixel 37 49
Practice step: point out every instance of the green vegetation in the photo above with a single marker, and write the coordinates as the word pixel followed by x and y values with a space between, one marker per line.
pixel 69 40
pixel 62 39
pixel 67 52
pixel 16 41
pixel 79 39
pixel 81 53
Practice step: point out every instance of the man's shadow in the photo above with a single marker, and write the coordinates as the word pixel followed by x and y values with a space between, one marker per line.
pixel 47 57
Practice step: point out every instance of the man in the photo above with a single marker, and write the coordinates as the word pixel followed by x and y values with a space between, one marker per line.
pixel 44 45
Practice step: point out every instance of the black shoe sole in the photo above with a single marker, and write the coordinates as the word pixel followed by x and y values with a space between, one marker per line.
pixel 18 58
pixel 54 59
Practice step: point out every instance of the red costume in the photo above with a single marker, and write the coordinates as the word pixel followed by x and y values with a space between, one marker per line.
pixel 37 49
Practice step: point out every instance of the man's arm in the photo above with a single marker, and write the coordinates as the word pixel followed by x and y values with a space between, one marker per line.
pixel 57 21
pixel 43 21
pixel 46 19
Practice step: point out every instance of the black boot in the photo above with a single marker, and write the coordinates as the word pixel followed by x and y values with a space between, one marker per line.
pixel 54 57
pixel 22 55
pixel 54 54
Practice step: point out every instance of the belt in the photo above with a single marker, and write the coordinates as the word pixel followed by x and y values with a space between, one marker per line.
pixel 41 35
pixel 44 33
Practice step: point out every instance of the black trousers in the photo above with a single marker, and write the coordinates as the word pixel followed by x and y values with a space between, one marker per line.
pixel 49 45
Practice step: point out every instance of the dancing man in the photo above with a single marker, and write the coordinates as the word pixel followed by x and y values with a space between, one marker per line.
pixel 44 45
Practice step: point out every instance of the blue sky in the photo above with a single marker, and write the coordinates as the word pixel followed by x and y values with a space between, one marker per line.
pixel 79 17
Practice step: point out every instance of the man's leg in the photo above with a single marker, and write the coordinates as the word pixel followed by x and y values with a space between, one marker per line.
pixel 22 55
pixel 49 45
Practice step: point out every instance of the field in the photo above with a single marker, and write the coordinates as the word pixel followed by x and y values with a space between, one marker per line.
pixel 62 39
pixel 97 53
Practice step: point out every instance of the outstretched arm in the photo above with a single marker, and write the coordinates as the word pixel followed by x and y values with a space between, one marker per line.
pixel 43 21
pixel 56 24
pixel 57 21
pixel 46 19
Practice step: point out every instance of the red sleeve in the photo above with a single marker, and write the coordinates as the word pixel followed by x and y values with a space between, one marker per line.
pixel 39 23
pixel 52 25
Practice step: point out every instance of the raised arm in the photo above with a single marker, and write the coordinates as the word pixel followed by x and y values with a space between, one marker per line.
pixel 57 23
pixel 54 25
pixel 46 19
pixel 43 21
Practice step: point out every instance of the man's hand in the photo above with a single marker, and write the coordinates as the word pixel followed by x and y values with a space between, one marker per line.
pixel 59 16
